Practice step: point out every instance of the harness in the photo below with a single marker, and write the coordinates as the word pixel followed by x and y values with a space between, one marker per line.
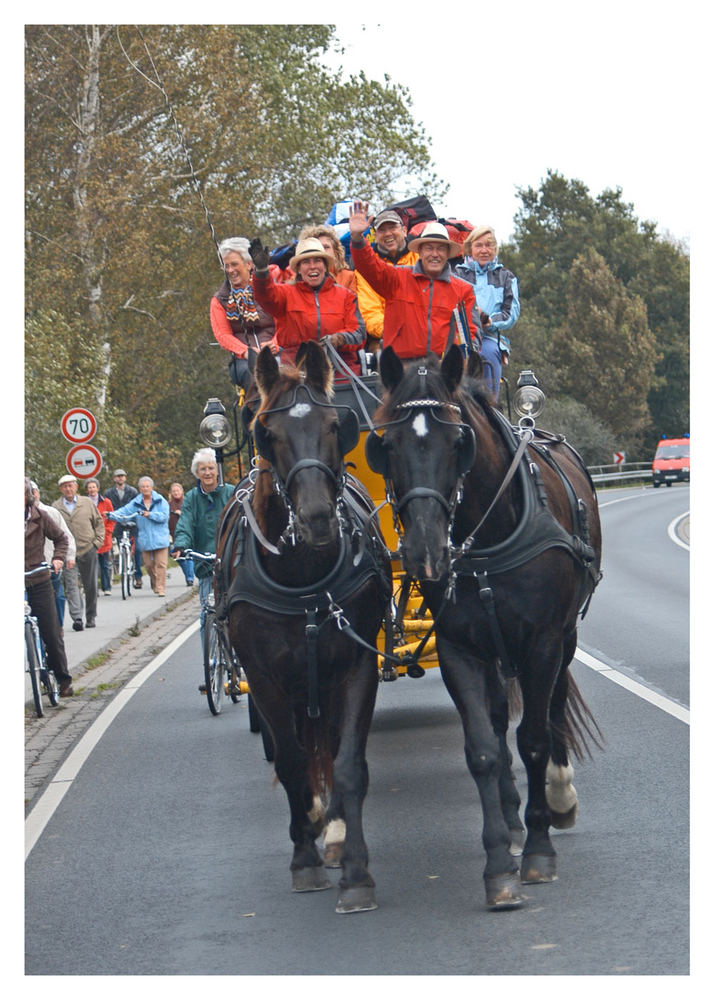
pixel 537 531
pixel 320 602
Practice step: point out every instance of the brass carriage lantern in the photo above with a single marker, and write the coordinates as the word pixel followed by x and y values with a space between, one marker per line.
pixel 529 398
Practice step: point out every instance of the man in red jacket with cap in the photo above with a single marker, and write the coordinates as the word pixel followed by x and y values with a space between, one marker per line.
pixel 427 308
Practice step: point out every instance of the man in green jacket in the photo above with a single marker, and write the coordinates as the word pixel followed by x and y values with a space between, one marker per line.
pixel 196 528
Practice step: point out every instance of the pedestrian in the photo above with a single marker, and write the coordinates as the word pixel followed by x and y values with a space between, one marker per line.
pixel 497 297
pixel 176 496
pixel 70 558
pixel 86 524
pixel 426 307
pixel 40 527
pixel 151 511
pixel 196 528
pixel 390 244
pixel 104 553
pixel 119 494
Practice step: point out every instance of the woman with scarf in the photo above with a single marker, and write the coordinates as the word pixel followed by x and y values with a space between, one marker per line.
pixel 239 324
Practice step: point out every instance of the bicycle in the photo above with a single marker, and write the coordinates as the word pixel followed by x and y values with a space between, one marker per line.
pixel 222 672
pixel 41 676
pixel 124 561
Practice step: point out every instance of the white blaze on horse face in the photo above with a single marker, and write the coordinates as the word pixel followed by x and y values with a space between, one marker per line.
pixel 300 410
pixel 420 426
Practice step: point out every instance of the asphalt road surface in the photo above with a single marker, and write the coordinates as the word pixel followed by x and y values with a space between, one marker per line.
pixel 168 853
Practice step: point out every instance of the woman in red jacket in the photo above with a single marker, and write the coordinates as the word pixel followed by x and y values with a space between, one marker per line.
pixel 315 307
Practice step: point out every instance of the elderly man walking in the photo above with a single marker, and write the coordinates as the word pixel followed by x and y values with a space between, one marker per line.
pixel 87 526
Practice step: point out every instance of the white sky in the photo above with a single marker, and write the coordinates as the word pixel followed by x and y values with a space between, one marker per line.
pixel 600 92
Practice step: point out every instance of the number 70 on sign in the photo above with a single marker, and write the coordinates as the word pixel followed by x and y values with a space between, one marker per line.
pixel 78 425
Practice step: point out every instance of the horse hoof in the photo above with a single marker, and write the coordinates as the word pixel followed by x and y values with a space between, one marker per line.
pixel 310 880
pixel 333 856
pixel 539 868
pixel 564 821
pixel 503 892
pixel 357 900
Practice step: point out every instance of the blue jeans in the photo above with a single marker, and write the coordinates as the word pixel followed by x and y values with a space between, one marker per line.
pixel 56 579
pixel 491 357
pixel 105 569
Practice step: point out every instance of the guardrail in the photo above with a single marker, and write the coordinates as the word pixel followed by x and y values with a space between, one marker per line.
pixel 620 472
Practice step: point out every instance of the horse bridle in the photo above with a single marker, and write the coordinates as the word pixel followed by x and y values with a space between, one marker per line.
pixel 282 487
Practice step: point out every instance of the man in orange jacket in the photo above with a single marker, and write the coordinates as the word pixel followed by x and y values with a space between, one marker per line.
pixel 427 308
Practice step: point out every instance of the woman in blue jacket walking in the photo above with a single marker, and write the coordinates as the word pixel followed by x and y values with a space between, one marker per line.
pixel 151 511
pixel 496 291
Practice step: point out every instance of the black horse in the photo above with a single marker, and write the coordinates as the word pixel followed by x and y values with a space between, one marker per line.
pixel 504 536
pixel 306 579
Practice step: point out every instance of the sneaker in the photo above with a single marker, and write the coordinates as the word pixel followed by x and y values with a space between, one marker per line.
pixel 91 624
pixel 189 583
pixel 107 593
pixel 202 688
pixel 66 690
pixel 137 584
pixel 77 625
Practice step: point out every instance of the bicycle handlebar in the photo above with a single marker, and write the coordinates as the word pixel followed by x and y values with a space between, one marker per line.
pixel 38 569
pixel 203 556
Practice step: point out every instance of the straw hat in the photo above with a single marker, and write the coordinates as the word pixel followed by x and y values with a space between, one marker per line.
pixel 434 232
pixel 311 247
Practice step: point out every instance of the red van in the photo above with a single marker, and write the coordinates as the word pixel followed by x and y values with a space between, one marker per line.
pixel 671 461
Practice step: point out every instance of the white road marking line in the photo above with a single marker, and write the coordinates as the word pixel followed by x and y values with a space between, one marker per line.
pixel 672 530
pixel 62 781
pixel 658 700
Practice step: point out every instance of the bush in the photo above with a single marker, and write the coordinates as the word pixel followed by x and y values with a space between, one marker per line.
pixel 589 436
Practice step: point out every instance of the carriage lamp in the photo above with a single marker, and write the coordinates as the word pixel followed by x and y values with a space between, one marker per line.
pixel 215 430
pixel 529 398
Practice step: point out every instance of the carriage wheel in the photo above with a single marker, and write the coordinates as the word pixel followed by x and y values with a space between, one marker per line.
pixel 214 663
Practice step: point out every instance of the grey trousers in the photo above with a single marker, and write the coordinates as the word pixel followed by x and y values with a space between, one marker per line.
pixel 86 568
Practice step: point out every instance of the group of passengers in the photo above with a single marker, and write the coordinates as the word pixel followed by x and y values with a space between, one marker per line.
pixel 417 295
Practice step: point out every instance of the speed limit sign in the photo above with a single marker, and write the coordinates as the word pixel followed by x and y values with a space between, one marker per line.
pixel 84 461
pixel 79 425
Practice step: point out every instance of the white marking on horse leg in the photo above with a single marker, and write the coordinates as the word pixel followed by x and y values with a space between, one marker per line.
pixel 560 791
pixel 317 813
pixel 335 832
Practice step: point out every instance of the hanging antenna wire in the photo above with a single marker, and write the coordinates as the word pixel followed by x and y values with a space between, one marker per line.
pixel 160 87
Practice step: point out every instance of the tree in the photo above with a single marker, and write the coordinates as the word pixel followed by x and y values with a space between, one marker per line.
pixel 560 221
pixel 605 351
pixel 130 134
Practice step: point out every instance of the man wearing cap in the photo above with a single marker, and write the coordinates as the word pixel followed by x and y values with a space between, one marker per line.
pixel 118 495
pixel 390 245
pixel 315 307
pixel 496 291
pixel 87 525
pixel 427 308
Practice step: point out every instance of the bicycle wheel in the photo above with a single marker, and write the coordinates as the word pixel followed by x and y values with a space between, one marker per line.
pixel 51 686
pixel 214 663
pixel 125 569
pixel 34 667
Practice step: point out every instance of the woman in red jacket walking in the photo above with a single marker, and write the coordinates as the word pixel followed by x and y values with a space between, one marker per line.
pixel 315 307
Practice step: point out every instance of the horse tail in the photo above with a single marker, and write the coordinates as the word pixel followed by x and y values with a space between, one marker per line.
pixel 580 730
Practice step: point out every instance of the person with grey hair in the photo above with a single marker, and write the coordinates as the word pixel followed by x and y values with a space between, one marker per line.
pixel 85 522
pixel 239 324
pixel 196 528
pixel 151 511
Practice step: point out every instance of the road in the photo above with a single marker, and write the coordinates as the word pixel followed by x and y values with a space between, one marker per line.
pixel 168 853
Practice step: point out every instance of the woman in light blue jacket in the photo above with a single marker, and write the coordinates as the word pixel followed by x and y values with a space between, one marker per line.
pixel 151 511
pixel 496 290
